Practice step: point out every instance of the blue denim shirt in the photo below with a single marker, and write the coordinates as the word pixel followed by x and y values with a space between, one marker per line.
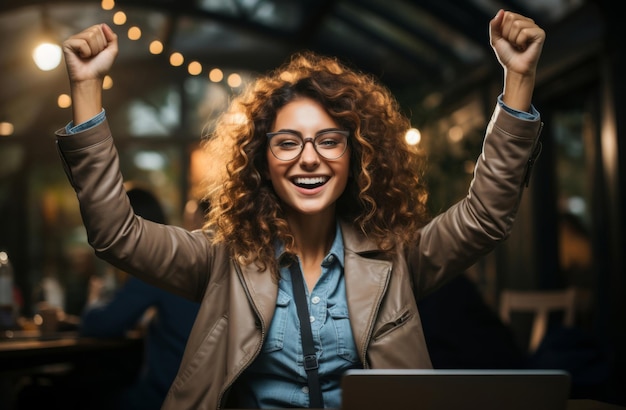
pixel 92 122
pixel 277 377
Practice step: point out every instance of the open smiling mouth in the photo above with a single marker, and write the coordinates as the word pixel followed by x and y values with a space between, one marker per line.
pixel 310 183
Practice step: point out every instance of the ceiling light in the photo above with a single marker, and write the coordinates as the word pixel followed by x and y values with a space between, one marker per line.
pixel 413 136
pixel 47 56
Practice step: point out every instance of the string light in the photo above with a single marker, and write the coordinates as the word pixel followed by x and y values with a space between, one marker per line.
pixel 194 68
pixel 177 59
pixel 107 4
pixel 119 18
pixel 216 75
pixel 156 47
pixel 234 80
pixel 64 101
pixel 134 33
pixel 107 83
pixel 48 56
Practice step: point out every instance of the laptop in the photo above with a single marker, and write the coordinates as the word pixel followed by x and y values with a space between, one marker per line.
pixel 455 389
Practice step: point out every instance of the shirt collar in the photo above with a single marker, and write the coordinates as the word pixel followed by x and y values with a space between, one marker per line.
pixel 336 250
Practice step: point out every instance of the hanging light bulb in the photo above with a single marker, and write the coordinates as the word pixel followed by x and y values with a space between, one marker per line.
pixel 48 53
pixel 47 56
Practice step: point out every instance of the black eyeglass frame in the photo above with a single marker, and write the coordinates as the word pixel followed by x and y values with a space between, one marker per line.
pixel 345 133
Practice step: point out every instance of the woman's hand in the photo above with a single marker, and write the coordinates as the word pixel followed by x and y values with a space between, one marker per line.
pixel 517 42
pixel 89 56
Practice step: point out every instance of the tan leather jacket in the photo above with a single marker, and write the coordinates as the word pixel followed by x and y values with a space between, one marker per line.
pixel 237 302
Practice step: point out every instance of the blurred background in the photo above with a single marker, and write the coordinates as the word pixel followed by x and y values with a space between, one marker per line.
pixel 181 61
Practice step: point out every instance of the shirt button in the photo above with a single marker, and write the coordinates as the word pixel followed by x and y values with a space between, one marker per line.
pixel 312 319
pixel 331 258
pixel 305 390
pixel 315 300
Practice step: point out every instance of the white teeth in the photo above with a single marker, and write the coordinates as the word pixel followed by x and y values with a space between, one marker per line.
pixel 310 181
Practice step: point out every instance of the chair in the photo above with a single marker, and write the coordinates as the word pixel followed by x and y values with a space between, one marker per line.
pixel 541 303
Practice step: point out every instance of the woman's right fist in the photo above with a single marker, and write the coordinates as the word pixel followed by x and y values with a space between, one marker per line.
pixel 89 54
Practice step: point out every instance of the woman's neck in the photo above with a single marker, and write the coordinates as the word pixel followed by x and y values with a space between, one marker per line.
pixel 314 235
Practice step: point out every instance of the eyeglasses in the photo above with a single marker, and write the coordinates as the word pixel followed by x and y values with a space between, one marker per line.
pixel 288 145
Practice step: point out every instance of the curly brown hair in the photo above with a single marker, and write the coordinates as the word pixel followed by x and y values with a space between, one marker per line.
pixel 385 197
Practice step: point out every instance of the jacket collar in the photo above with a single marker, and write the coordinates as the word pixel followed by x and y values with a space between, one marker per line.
pixel 366 282
pixel 355 241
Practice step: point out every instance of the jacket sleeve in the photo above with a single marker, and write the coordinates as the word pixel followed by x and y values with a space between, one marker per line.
pixel 166 256
pixel 457 238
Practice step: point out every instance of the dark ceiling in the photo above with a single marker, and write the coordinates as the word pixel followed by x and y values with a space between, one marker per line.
pixel 415 46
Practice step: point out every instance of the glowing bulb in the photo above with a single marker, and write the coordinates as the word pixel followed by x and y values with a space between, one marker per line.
pixel 107 83
pixel 47 56
pixel 134 33
pixel 216 75
pixel 413 136
pixel 194 68
pixel 119 18
pixel 176 59
pixel 156 47
pixel 107 4
pixel 234 80
pixel 6 129
pixel 64 101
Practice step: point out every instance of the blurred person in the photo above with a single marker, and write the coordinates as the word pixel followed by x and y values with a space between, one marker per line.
pixel 345 215
pixel 463 332
pixel 164 318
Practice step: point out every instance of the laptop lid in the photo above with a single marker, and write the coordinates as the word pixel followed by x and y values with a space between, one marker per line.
pixel 455 389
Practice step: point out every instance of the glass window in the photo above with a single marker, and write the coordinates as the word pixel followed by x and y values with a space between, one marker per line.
pixel 572 173
pixel 158 168
pixel 154 114
pixel 573 196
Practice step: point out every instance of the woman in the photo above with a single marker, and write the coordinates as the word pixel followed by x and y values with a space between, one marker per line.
pixel 317 170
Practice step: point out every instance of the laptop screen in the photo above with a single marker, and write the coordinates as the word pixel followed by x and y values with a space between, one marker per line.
pixel 455 389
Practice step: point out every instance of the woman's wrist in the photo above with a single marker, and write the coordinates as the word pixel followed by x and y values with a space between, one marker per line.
pixel 518 91
pixel 86 100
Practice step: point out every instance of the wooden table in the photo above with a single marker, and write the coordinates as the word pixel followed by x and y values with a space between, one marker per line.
pixel 23 353
pixel 66 364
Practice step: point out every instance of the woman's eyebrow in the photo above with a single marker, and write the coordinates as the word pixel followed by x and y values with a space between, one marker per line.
pixel 288 130
pixel 329 129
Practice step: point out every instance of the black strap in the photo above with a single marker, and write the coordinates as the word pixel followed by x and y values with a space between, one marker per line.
pixel 310 358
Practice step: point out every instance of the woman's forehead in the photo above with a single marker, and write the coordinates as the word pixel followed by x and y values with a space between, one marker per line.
pixel 303 114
